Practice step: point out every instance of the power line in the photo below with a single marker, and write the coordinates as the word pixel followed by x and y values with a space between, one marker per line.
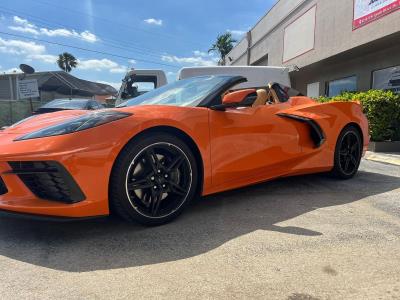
pixel 89 50
pixel 168 36
pixel 132 47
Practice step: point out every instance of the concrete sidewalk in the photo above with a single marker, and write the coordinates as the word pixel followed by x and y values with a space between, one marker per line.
pixel 387 158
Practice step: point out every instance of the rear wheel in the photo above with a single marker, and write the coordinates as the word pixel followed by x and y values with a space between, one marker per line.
pixel 348 153
pixel 153 179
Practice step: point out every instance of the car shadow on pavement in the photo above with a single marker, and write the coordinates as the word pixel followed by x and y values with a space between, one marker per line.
pixel 207 224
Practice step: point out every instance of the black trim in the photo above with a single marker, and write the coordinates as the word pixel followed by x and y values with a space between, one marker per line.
pixel 214 98
pixel 3 188
pixel 13 214
pixel 317 134
pixel 31 171
pixel 48 180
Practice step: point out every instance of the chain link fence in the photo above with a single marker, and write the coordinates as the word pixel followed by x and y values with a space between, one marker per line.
pixel 12 111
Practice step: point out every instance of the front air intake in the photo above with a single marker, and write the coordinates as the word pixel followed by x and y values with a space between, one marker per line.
pixel 48 180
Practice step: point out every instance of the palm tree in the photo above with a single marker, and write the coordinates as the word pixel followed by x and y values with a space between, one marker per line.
pixel 223 46
pixel 66 61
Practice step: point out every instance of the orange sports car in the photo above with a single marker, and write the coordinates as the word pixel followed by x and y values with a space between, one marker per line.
pixel 148 158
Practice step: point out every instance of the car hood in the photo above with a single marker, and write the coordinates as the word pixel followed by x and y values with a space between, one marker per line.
pixel 37 122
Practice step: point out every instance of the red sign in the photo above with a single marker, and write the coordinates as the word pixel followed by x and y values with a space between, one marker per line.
pixel 367 11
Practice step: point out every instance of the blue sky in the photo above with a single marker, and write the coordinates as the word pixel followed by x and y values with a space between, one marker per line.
pixel 142 34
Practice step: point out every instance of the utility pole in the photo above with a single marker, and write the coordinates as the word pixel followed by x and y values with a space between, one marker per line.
pixel 249 44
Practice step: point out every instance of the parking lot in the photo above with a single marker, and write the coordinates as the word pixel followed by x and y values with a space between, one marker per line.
pixel 308 237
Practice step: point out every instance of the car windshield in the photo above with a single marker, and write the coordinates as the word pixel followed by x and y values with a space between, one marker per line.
pixel 187 92
pixel 67 104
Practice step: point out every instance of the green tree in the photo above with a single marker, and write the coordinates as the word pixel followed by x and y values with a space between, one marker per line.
pixel 223 46
pixel 66 61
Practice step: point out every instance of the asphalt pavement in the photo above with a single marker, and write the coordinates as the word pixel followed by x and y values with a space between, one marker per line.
pixel 301 238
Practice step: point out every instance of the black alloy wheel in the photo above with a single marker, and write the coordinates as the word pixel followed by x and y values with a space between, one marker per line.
pixel 348 153
pixel 153 180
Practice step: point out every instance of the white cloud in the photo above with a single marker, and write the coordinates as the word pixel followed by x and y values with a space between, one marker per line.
pixel 101 65
pixel 31 50
pixel 46 58
pixel 23 22
pixel 88 36
pixel 195 60
pixel 200 53
pixel 152 21
pixel 132 61
pixel 25 26
pixel 237 33
pixel 19 47
pixel 119 70
pixel 12 70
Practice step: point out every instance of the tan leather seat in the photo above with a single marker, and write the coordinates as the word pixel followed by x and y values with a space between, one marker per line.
pixel 262 98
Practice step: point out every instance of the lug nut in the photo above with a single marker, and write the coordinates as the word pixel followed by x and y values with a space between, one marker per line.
pixel 158 171
pixel 166 175
pixel 155 187
pixel 163 185
pixel 152 178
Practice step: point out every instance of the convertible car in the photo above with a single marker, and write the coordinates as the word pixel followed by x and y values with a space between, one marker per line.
pixel 147 159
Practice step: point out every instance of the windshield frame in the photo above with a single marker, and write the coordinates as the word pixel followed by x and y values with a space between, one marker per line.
pixel 208 99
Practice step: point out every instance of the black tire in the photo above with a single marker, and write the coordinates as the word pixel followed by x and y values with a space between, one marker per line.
pixel 153 179
pixel 348 153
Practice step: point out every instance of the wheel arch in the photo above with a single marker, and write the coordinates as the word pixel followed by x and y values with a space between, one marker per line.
pixel 358 128
pixel 184 137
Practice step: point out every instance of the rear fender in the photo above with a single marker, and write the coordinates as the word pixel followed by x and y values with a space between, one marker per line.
pixel 331 118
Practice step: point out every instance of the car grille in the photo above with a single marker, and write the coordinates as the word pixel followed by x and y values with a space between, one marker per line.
pixel 3 188
pixel 48 180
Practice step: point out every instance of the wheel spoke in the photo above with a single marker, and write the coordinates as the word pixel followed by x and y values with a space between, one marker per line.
pixel 353 159
pixel 156 201
pixel 354 148
pixel 343 153
pixel 152 159
pixel 139 184
pixel 177 189
pixel 347 163
pixel 146 199
pixel 175 163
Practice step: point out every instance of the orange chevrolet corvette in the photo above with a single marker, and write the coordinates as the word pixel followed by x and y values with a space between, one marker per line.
pixel 148 158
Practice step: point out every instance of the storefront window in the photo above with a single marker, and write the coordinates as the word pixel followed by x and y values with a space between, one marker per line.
pixel 336 87
pixel 387 79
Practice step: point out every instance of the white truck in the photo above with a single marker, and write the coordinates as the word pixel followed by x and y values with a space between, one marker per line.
pixel 138 82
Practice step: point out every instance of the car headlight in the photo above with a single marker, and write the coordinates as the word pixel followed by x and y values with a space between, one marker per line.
pixel 77 124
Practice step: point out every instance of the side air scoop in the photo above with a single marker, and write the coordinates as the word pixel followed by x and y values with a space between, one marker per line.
pixel 316 132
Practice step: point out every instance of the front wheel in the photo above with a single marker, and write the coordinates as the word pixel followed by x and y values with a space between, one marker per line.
pixel 153 179
pixel 348 153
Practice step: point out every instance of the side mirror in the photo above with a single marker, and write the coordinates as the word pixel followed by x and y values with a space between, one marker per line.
pixel 233 99
pixel 237 97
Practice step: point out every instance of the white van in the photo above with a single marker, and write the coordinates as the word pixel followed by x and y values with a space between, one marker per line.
pixel 256 76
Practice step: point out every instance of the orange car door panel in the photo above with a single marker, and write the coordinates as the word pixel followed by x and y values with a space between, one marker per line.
pixel 251 142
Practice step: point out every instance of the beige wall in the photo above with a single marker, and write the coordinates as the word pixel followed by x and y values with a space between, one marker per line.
pixel 334 33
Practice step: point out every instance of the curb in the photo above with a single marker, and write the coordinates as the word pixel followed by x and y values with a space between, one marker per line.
pixel 393 159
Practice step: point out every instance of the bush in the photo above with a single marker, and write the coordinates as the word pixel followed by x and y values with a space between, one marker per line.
pixel 382 109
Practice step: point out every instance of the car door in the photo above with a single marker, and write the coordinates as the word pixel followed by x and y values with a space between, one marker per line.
pixel 251 144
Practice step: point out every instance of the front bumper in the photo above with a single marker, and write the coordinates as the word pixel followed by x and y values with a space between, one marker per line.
pixel 87 161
